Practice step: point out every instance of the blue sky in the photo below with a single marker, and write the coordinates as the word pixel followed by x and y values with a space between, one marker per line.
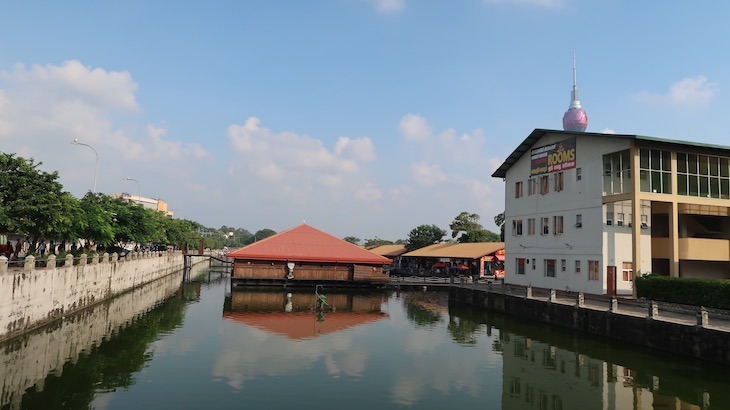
pixel 360 117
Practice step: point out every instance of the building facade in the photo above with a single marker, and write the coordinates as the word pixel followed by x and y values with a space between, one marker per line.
pixel 578 218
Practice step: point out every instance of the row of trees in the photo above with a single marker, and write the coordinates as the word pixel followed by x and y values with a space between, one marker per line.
pixel 34 205
pixel 464 228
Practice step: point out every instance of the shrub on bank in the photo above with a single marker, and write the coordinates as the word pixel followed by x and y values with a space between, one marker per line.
pixel 714 293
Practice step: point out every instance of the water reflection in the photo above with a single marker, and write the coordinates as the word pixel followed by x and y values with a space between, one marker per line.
pixel 296 315
pixel 273 349
pixel 549 368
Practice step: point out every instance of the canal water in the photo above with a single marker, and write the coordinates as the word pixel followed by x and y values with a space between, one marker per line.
pixel 202 346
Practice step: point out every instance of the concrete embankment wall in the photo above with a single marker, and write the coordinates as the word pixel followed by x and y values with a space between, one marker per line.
pixel 28 359
pixel 694 341
pixel 31 297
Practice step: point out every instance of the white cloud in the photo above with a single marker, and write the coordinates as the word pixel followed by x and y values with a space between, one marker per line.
pixel 688 92
pixel 299 169
pixel 294 155
pixel 389 6
pixel 427 174
pixel 414 127
pixel 608 131
pixel 369 193
pixel 43 107
pixel 73 81
pixel 360 149
pixel 533 3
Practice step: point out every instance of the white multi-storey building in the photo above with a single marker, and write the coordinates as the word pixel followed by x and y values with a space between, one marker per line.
pixel 577 218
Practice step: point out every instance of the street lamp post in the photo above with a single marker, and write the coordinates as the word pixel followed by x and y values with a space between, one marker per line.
pixel 138 185
pixel 96 166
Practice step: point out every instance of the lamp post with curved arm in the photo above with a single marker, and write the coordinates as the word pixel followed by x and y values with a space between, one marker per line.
pixel 96 166
pixel 138 185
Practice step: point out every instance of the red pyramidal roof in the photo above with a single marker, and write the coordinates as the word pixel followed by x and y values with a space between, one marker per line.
pixel 306 244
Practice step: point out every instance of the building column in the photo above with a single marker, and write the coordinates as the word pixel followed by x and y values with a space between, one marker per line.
pixel 673 240
pixel 674 221
pixel 635 215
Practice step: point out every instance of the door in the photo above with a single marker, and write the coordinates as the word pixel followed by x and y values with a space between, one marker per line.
pixel 611 280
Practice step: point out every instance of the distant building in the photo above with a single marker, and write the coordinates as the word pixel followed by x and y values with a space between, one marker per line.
pixel 306 256
pixel 478 258
pixel 392 252
pixel 149 203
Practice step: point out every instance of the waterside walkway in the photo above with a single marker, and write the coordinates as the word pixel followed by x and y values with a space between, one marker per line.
pixel 688 330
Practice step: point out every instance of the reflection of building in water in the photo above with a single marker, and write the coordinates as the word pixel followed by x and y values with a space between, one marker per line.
pixel 540 376
pixel 29 359
pixel 294 314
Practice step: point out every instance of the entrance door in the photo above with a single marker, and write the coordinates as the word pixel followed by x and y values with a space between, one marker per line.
pixel 611 280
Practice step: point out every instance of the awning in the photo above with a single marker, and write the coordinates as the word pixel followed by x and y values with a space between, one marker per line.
pixel 499 257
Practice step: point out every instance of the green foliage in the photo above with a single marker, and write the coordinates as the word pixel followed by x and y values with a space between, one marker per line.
pixel 352 239
pixel 467 228
pixel 371 243
pixel 424 235
pixel 31 200
pixel 714 293
pixel 262 234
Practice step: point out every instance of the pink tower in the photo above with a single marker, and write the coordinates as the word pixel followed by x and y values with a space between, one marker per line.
pixel 575 119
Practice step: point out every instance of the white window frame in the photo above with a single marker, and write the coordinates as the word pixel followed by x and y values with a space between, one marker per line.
pixel 557 225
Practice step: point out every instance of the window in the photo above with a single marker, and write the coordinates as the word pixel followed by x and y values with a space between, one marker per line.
pixel 517 227
pixel 520 266
pixel 558 224
pixel 531 226
pixel 702 175
pixel 531 186
pixel 544 185
pixel 550 268
pixel 558 181
pixel 577 266
pixel 609 214
pixel 655 171
pixel 533 263
pixel 592 270
pixel 579 221
pixel 628 271
pixel 514 388
pixel 518 189
pixel 619 219
pixel 563 265
pixel 545 225
pixel 578 174
pixel 617 173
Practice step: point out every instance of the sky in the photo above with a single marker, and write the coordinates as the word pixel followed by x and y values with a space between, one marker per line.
pixel 361 118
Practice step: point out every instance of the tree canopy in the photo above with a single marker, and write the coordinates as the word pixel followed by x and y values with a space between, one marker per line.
pixel 424 235
pixel 466 228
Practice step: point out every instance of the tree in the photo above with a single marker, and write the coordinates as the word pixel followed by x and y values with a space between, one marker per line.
pixel 371 243
pixel 32 202
pixel 499 221
pixel 424 235
pixel 468 229
pixel 352 239
pixel 262 234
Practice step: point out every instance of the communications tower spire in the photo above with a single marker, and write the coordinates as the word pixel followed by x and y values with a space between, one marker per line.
pixel 575 119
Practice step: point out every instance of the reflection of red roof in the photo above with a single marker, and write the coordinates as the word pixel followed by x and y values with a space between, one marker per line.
pixel 302 325
pixel 307 244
